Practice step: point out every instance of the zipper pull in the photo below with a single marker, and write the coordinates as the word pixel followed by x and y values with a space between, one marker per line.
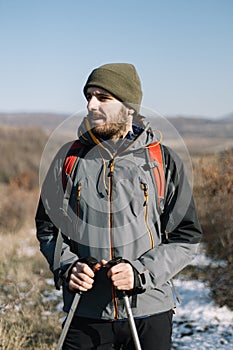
pixel 78 192
pixel 111 167
pixel 146 195
pixel 77 200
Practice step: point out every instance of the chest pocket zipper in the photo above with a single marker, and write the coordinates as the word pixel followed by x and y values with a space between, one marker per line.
pixel 144 187
pixel 78 204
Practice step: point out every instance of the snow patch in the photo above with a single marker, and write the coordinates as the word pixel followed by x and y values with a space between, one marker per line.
pixel 199 323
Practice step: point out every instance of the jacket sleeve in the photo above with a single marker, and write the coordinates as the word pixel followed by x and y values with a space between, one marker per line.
pixel 48 220
pixel 180 229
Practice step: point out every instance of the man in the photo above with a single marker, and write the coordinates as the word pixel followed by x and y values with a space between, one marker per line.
pixel 110 207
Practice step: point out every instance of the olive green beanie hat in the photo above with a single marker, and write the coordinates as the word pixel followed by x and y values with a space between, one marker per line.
pixel 120 80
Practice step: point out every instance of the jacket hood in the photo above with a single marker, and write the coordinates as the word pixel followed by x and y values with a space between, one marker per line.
pixel 142 136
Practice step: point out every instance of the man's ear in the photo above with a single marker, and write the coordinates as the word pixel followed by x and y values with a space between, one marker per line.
pixel 131 111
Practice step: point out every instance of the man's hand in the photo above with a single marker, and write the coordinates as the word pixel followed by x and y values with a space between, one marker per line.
pixel 82 277
pixel 122 275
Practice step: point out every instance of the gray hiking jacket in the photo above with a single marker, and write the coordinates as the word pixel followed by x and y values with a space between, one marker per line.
pixel 110 209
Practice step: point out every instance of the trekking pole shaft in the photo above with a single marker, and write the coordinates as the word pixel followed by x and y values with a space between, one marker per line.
pixel 113 262
pixel 68 321
pixel 131 323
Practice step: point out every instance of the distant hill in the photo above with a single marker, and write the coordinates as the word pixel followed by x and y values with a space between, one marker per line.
pixel 47 121
pixel 199 127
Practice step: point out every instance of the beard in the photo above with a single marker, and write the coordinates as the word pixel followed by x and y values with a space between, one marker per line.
pixel 110 130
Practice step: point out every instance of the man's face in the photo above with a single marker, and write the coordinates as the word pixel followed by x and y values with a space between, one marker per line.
pixel 108 117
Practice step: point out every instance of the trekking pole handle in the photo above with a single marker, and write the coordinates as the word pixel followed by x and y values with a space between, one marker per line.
pixel 114 261
pixel 90 261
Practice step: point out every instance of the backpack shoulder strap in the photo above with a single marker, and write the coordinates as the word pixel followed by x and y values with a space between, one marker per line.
pixel 67 170
pixel 70 160
pixel 156 164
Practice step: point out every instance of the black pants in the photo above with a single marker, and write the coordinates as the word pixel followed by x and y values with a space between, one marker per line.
pixel 88 334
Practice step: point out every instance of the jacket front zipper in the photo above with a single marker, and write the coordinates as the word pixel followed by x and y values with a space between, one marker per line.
pixel 110 175
pixel 146 207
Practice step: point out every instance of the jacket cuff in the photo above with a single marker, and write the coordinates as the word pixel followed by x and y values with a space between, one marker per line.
pixel 142 274
pixel 61 275
pixel 139 281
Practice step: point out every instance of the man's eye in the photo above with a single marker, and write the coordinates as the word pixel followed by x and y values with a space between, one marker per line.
pixel 104 98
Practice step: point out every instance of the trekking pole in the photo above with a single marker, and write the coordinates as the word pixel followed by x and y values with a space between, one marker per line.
pixel 131 322
pixel 128 309
pixel 68 320
pixel 91 262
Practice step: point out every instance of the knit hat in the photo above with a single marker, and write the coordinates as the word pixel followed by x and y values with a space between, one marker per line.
pixel 120 80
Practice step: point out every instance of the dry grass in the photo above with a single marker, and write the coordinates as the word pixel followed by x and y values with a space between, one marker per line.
pixel 29 316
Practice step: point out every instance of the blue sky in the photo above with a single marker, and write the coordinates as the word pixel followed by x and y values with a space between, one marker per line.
pixel 182 49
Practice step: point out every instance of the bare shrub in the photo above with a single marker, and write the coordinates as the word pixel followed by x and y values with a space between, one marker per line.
pixel 213 192
pixel 21 150
pixel 17 208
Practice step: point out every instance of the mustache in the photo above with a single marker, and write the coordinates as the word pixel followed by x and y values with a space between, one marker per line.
pixel 95 115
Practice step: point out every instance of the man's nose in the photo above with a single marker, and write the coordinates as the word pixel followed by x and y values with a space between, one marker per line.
pixel 93 103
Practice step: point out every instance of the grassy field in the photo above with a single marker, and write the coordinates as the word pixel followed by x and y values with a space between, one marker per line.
pixel 29 305
pixel 29 317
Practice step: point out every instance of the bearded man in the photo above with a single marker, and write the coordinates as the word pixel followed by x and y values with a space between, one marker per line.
pixel 110 206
